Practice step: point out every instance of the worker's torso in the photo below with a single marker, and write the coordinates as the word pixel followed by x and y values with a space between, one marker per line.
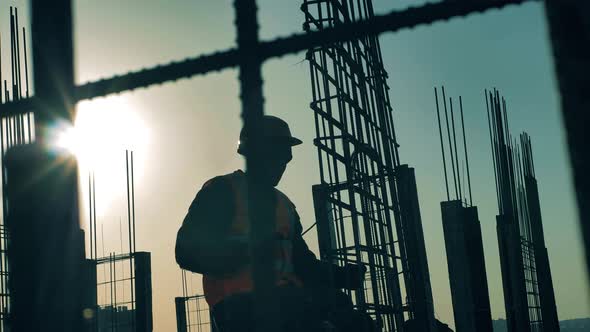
pixel 216 288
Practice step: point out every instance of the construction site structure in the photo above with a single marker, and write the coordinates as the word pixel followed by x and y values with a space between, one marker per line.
pixel 124 299
pixel 192 311
pixel 119 285
pixel 366 204
pixel 526 276
pixel 56 94
pixel 462 229
pixel 14 131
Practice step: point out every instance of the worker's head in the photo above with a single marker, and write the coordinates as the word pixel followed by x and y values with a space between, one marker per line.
pixel 275 146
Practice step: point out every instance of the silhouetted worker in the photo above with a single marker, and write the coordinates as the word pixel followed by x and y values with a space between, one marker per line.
pixel 214 241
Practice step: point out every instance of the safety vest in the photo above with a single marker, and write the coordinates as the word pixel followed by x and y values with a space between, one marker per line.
pixel 216 288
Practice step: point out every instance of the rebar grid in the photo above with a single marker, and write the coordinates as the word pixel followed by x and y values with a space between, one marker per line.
pixel 197 314
pixel 357 152
pixel 115 289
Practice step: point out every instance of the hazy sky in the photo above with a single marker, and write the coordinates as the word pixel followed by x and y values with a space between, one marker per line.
pixel 190 127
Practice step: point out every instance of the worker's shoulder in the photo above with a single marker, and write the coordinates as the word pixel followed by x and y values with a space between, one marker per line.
pixel 223 180
pixel 219 185
pixel 285 197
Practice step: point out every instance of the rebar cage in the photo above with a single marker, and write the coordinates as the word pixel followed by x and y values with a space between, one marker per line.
pixel 357 152
pixel 526 275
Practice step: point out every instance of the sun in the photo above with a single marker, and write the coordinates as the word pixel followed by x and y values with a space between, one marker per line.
pixel 103 130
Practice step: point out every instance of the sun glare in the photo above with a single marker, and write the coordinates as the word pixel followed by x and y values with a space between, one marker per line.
pixel 103 130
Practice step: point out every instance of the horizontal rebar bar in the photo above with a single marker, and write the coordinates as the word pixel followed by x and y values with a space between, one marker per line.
pixel 392 22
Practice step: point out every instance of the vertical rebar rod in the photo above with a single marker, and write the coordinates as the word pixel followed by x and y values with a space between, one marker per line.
pixel 131 231
pixel 465 148
pixel 492 145
pixel 113 299
pixel 10 130
pixel 132 272
pixel 121 236
pixel 27 93
pixel 17 60
pixel 90 216
pixel 442 148
pixel 491 127
pixel 12 56
pixel 115 290
pixel 2 100
pixel 183 277
pixel 26 60
pixel 133 202
pixel 94 217
pixel 456 150
pixel 4 236
pixel 450 144
pixel 129 226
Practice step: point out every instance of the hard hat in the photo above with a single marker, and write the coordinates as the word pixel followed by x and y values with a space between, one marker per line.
pixel 273 129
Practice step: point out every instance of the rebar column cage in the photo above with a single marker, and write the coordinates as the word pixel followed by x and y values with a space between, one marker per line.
pixel 526 277
pixel 357 152
pixel 14 130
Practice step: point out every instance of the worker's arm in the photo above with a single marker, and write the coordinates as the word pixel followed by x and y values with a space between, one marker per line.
pixel 202 243
pixel 314 272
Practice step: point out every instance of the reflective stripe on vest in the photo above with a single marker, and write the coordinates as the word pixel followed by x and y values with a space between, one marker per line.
pixel 216 288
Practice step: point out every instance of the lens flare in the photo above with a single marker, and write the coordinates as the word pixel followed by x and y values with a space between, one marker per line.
pixel 103 130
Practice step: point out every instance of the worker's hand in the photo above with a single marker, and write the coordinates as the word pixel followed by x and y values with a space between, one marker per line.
pixel 354 275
